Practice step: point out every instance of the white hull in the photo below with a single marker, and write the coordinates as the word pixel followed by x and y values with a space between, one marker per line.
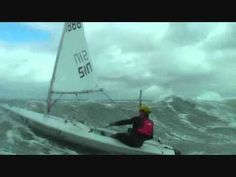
pixel 81 135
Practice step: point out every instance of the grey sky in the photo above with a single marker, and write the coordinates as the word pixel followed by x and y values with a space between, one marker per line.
pixel 195 60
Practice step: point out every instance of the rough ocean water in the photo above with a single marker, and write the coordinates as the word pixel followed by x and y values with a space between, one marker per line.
pixel 194 127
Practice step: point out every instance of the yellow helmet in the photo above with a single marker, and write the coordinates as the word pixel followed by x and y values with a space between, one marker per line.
pixel 145 109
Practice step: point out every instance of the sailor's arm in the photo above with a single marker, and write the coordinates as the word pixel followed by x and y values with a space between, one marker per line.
pixel 123 122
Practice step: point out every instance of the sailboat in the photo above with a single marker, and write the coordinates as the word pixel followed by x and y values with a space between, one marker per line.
pixel 74 74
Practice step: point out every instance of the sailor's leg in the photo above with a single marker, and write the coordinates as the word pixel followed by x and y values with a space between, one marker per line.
pixel 128 139
pixel 123 137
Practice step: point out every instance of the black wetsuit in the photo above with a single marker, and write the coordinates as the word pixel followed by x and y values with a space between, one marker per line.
pixel 132 138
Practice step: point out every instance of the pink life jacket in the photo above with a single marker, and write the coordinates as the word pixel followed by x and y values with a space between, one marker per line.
pixel 147 128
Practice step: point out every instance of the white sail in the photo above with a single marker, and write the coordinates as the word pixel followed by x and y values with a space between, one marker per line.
pixel 73 71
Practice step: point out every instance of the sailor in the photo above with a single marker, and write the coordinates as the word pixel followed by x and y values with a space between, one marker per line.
pixel 141 131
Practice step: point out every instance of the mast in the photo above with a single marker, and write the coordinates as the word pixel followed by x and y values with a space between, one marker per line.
pixel 48 109
pixel 140 99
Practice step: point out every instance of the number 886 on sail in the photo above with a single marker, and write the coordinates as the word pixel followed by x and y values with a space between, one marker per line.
pixel 71 26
